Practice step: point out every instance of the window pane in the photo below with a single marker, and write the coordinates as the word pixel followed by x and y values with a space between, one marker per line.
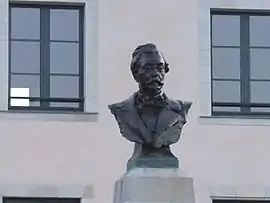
pixel 64 86
pixel 64 24
pixel 225 30
pixel 226 109
pixel 25 23
pixel 226 91
pixel 25 57
pixel 64 104
pixel 29 82
pixel 64 57
pixel 21 92
pixel 259 30
pixel 226 63
pixel 259 92
pixel 40 200
pixel 258 110
pixel 260 63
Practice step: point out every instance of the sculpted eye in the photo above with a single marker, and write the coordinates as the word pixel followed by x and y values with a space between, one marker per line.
pixel 147 67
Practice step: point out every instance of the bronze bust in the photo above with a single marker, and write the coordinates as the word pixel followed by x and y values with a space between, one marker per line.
pixel 149 118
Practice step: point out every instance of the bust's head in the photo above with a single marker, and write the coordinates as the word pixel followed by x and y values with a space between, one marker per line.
pixel 148 67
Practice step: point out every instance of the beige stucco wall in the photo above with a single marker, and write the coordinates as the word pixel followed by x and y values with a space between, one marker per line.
pixel 226 157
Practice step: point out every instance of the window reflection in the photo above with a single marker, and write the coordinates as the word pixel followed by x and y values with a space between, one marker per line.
pixel 259 92
pixel 25 57
pixel 19 92
pixel 64 58
pixel 64 86
pixel 25 23
pixel 30 82
pixel 260 63
pixel 64 25
pixel 226 91
pixel 259 30
pixel 225 30
pixel 226 63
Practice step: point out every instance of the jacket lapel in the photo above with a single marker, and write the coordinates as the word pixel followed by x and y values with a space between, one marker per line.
pixel 134 121
pixel 167 117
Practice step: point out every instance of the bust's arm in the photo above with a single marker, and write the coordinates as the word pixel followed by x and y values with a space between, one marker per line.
pixel 122 117
pixel 184 107
pixel 116 110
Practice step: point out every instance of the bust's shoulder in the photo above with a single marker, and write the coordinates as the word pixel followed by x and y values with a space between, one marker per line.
pixel 179 106
pixel 122 105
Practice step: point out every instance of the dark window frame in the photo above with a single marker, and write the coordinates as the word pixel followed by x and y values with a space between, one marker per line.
pixel 41 199
pixel 242 200
pixel 244 47
pixel 44 97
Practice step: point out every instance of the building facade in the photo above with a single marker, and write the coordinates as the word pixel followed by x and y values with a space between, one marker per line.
pixel 62 62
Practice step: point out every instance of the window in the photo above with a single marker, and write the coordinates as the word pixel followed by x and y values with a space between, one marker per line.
pixel 40 200
pixel 46 57
pixel 240 46
pixel 239 201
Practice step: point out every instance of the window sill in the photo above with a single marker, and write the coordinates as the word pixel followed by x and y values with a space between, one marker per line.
pixel 234 120
pixel 48 116
pixel 84 191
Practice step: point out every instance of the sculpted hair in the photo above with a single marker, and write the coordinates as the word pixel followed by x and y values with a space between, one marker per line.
pixel 144 49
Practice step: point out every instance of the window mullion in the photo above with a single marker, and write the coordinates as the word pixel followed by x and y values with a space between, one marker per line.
pixel 81 57
pixel 45 56
pixel 244 63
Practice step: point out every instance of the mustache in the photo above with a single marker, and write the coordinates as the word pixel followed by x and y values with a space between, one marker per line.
pixel 157 80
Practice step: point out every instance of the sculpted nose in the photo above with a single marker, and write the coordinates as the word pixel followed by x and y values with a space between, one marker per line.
pixel 154 74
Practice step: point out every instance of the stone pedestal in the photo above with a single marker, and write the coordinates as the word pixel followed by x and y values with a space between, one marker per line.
pixel 150 185
pixel 150 157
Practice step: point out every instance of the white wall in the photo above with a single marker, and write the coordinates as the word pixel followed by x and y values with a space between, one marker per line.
pixel 225 159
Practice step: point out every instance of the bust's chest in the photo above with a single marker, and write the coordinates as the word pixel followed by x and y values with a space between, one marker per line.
pixel 150 118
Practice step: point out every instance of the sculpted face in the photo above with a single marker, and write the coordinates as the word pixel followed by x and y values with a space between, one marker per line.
pixel 151 73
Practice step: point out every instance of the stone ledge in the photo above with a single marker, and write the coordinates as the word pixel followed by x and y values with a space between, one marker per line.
pixel 64 191
pixel 48 116
pixel 246 192
pixel 233 120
